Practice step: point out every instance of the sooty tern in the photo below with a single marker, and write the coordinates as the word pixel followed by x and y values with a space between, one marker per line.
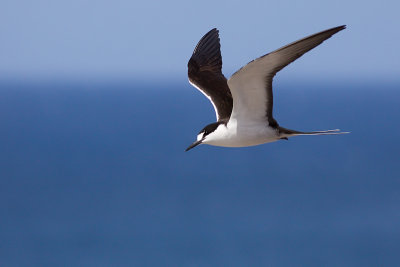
pixel 243 104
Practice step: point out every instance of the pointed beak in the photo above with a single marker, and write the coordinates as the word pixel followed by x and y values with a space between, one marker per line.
pixel 194 144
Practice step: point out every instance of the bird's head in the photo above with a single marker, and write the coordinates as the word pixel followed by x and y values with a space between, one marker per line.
pixel 204 134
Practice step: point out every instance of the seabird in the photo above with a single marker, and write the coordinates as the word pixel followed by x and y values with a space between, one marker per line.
pixel 243 104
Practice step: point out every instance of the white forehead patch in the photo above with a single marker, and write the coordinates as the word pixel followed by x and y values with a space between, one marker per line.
pixel 200 136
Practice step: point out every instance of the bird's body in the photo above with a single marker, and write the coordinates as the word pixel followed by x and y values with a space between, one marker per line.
pixel 249 134
pixel 243 104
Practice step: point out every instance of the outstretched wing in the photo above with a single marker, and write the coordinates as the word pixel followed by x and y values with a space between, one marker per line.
pixel 251 86
pixel 204 71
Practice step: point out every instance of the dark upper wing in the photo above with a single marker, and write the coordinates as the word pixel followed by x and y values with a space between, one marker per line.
pixel 251 86
pixel 204 71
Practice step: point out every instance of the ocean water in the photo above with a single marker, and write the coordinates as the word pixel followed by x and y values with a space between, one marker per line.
pixel 95 174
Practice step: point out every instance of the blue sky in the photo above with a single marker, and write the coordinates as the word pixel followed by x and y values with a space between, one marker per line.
pixel 134 39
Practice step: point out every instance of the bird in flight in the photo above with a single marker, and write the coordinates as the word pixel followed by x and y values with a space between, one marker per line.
pixel 244 103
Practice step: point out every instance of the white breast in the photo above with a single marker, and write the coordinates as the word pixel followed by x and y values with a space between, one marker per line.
pixel 233 135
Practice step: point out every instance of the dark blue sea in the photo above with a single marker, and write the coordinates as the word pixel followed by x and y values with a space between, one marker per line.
pixel 95 174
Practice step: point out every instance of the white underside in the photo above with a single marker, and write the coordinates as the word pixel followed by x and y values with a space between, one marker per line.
pixel 234 135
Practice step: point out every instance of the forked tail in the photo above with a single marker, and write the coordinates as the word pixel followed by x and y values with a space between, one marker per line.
pixel 287 132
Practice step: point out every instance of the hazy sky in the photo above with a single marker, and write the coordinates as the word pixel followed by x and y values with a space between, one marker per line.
pixel 134 39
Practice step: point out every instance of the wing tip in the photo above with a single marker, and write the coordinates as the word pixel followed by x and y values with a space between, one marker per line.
pixel 207 54
pixel 338 28
pixel 205 38
pixel 214 30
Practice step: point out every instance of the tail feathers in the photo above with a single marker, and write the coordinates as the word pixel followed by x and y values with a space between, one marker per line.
pixel 288 132
pixel 326 132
